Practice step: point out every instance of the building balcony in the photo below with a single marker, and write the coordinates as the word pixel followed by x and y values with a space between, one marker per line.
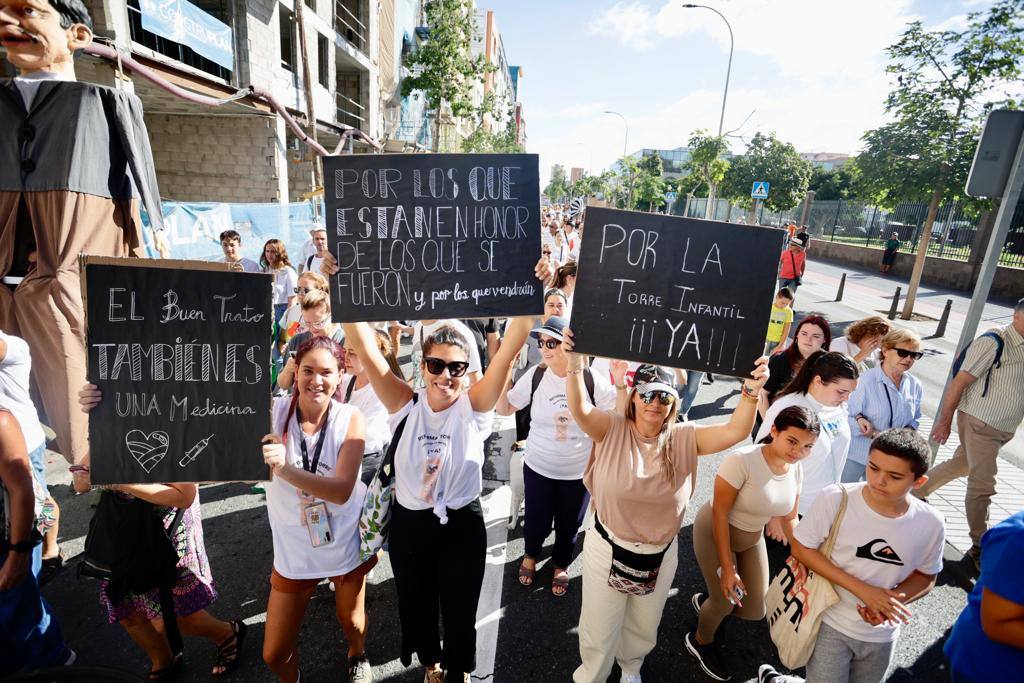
pixel 350 23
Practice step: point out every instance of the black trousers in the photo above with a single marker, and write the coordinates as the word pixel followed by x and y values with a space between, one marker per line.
pixel 553 501
pixel 438 567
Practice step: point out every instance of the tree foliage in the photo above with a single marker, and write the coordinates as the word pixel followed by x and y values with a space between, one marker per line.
pixel 558 186
pixel 768 158
pixel 705 168
pixel 483 139
pixel 444 68
pixel 945 84
pixel 649 185
pixel 593 185
pixel 832 184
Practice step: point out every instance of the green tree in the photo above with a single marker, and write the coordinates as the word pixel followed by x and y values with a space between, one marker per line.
pixel 444 68
pixel 483 140
pixel 706 167
pixel 593 185
pixel 829 185
pixel 558 186
pixel 649 185
pixel 624 182
pixel 768 158
pixel 946 82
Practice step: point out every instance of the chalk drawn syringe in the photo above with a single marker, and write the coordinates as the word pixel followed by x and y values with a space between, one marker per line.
pixel 194 452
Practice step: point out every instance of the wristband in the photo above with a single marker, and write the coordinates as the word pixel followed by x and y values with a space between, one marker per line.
pixel 749 393
pixel 747 397
pixel 75 469
pixel 574 372
pixel 24 546
pixel 620 387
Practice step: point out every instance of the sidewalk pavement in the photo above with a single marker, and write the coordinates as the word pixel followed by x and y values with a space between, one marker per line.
pixel 869 293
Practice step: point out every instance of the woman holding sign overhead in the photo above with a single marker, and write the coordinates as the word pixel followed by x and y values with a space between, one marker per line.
pixel 640 477
pixel 437 540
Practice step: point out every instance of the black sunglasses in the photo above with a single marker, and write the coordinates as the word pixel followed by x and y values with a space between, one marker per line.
pixel 905 353
pixel 302 290
pixel 550 343
pixel 666 398
pixel 435 366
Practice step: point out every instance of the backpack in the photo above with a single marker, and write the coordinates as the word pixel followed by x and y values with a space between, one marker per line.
pixel 523 416
pixel 996 362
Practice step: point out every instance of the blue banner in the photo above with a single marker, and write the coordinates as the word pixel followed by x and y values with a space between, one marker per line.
pixel 186 24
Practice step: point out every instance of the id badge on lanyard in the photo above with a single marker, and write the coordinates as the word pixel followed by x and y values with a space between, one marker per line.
pixel 312 514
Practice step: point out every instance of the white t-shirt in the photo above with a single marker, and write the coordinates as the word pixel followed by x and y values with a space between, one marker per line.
pixel 762 493
pixel 248 265
pixel 824 466
pixel 881 551
pixel 294 554
pixel 419 330
pixel 285 281
pixel 14 397
pixel 844 345
pixel 556 447
pixel 311 264
pixel 378 431
pixel 440 456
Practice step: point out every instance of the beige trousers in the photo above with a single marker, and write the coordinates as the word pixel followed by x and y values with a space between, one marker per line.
pixel 751 564
pixel 977 458
pixel 46 308
pixel 614 626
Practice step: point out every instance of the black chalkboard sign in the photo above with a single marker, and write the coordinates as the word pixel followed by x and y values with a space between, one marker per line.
pixel 422 236
pixel 679 292
pixel 181 352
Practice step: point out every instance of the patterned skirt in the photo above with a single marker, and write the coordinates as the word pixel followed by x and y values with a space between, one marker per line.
pixel 194 589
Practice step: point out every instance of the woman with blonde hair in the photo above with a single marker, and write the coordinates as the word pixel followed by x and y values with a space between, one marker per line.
pixel 887 396
pixel 640 476
pixel 316 319
pixel 291 321
pixel 861 340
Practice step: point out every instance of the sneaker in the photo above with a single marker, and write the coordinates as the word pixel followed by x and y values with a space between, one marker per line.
pixel 709 657
pixel 630 678
pixel 697 600
pixel 974 555
pixel 359 670
pixel 768 674
pixel 433 676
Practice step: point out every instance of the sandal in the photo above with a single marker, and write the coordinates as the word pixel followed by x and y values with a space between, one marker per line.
pixel 560 585
pixel 172 667
pixel 526 576
pixel 228 651
pixel 50 568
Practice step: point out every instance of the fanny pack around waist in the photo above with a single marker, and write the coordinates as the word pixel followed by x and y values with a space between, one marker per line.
pixel 632 573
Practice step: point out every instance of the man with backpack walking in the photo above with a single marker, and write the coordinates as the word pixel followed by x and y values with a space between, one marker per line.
pixel 987 394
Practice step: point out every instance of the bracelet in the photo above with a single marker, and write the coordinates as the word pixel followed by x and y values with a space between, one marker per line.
pixel 747 397
pixel 749 393
pixel 620 387
pixel 75 469
pixel 574 372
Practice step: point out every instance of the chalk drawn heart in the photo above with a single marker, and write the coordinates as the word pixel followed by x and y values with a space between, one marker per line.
pixel 147 449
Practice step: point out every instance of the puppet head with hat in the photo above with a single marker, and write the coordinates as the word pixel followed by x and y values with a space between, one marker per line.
pixel 43 35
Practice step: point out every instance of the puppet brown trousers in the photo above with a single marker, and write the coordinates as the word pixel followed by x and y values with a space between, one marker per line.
pixel 46 309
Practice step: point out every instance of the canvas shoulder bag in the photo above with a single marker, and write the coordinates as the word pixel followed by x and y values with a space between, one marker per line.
pixel 380 493
pixel 796 600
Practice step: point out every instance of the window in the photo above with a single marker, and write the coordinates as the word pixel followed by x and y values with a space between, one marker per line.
pixel 287 21
pixel 311 4
pixel 323 61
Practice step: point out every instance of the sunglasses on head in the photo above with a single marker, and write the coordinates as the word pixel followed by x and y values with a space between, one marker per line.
pixel 666 398
pixel 435 366
pixel 549 343
pixel 302 290
pixel 906 353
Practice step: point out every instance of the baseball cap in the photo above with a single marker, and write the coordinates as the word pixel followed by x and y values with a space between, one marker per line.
pixel 653 378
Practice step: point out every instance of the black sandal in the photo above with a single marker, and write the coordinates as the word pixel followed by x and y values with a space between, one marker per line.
pixel 172 667
pixel 228 651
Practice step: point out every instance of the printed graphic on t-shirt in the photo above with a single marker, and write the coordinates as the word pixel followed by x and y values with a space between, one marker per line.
pixel 879 550
pixel 832 427
pixel 562 421
pixel 434 446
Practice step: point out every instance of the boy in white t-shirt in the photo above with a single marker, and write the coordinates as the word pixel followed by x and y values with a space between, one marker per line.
pixel 887 554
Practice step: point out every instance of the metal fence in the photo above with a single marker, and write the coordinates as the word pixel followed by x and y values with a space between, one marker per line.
pixel 953 233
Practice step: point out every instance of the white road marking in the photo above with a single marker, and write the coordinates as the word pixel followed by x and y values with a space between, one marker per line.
pixel 489 610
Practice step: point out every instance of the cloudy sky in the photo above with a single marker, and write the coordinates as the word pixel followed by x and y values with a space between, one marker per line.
pixel 810 70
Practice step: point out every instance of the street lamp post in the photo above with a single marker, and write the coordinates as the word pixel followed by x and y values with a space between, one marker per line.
pixel 725 93
pixel 625 147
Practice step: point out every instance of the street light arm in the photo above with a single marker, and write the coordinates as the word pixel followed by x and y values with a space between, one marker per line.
pixel 728 70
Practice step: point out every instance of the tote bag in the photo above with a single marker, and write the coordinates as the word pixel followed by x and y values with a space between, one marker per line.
pixel 380 493
pixel 796 600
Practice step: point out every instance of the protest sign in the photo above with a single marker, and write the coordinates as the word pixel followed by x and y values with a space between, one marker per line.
pixel 181 352
pixel 423 236
pixel 679 292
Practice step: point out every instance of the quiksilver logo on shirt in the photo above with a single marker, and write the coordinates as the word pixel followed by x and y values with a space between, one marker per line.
pixel 879 550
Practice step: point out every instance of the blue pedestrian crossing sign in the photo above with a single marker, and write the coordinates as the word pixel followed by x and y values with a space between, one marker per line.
pixel 760 189
pixel 670 197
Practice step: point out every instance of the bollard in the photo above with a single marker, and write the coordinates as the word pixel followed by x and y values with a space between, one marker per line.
pixel 895 303
pixel 941 329
pixel 842 286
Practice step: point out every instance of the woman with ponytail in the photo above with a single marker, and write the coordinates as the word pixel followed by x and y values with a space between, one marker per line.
pixel 754 484
pixel 640 476
pixel 564 280
pixel 823 385
pixel 314 499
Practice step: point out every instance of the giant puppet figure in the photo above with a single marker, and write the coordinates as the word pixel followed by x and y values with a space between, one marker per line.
pixel 74 162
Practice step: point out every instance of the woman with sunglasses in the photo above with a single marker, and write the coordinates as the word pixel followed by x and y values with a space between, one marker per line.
pixel 823 386
pixel 291 321
pixel 887 396
pixel 753 484
pixel 640 476
pixel 437 541
pixel 316 318
pixel 556 455
pixel 555 302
